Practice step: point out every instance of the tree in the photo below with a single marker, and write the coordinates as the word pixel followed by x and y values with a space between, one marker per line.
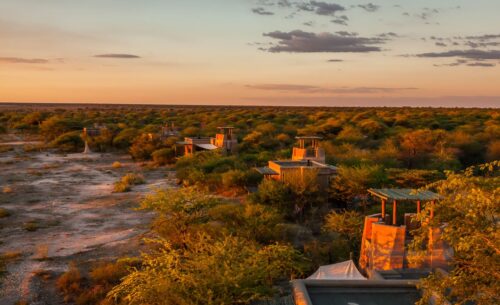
pixel 469 212
pixel 208 271
pixel 163 156
pixel 417 145
pixel 349 227
pixel 180 211
pixel 273 193
pixel 143 147
pixel 68 142
pixel 350 183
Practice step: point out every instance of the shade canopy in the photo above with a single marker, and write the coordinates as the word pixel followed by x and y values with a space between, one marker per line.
pixel 404 194
pixel 341 271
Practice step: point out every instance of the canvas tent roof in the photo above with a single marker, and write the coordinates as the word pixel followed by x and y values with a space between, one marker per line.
pixel 404 194
pixel 207 146
pixel 341 271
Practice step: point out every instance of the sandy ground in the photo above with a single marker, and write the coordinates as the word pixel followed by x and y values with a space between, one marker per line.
pixel 78 218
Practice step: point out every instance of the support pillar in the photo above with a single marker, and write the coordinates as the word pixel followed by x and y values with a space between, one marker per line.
pixel 432 208
pixel 383 210
pixel 419 207
pixel 394 212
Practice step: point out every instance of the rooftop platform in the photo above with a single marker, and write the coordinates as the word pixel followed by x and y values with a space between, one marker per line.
pixel 404 194
pixel 302 163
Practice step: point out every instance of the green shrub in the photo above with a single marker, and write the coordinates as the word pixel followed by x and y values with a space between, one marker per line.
pixel 163 156
pixel 69 142
pixel 233 178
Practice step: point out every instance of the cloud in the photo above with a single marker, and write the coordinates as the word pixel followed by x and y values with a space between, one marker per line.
pixel 342 20
pixel 262 11
pixel 307 89
pixel 285 87
pixel 481 64
pixel 19 60
pixel 117 55
pixel 467 54
pixel 320 8
pixel 306 42
pixel 369 7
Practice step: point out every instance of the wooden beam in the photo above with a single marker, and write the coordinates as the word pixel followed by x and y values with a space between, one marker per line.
pixel 394 212
pixel 418 207
pixel 432 208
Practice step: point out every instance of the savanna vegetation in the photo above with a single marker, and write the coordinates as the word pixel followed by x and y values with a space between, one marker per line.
pixel 227 236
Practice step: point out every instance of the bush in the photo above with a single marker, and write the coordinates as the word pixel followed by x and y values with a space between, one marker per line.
pixel 143 147
pixel 133 179
pixel 116 164
pixel 4 213
pixel 164 156
pixel 31 226
pixel 69 142
pixel 127 181
pixel 70 283
pixel 233 178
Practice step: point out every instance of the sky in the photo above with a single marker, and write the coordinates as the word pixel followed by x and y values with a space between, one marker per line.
pixel 251 52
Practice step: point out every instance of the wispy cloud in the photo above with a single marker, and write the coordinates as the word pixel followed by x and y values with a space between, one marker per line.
pixel 19 60
pixel 320 8
pixel 369 7
pixel 468 54
pixel 306 42
pixel 262 11
pixel 308 89
pixel 117 55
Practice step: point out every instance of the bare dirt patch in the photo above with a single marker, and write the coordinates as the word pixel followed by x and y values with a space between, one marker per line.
pixel 62 209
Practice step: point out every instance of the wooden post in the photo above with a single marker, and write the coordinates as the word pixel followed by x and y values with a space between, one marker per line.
pixel 383 210
pixel 418 207
pixel 432 208
pixel 394 212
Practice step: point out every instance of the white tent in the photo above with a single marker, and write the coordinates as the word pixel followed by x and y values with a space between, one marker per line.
pixel 340 271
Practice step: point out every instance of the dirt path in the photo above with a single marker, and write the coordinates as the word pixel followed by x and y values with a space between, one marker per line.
pixel 62 208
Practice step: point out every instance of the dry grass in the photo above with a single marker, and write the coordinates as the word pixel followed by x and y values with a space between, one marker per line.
pixel 127 181
pixel 70 283
pixel 6 149
pixel 31 226
pixel 4 213
pixel 8 257
pixel 43 274
pixel 41 252
pixel 7 189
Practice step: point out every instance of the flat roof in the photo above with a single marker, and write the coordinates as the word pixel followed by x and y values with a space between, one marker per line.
pixel 359 292
pixel 404 194
pixel 303 163
pixel 309 137
pixel 266 170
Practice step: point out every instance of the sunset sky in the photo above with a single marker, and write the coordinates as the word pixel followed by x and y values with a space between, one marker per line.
pixel 246 52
